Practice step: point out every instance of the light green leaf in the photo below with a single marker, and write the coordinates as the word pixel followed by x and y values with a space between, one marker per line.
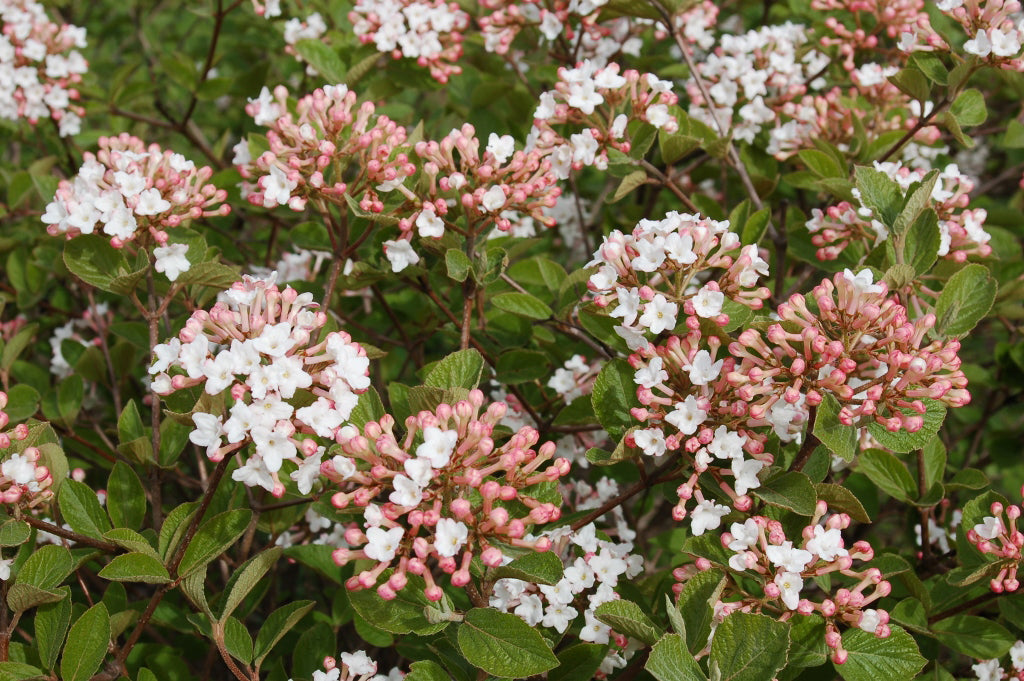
pixel 92 259
pixel 81 509
pixel 841 440
pixel 889 473
pixel 628 618
pixel 964 301
pixel 895 658
pixel 87 644
pixel 460 369
pixel 46 567
pixel 503 645
pixel 978 637
pixel 21 596
pixel 630 182
pixel 237 640
pixel 670 660
pixel 523 305
pixel 539 568
pixel 792 490
pixel 969 108
pixel 214 537
pixel 696 605
pixel 322 58
pixel 135 567
pixel 14 532
pixel 426 670
pixel 458 264
pixel 749 647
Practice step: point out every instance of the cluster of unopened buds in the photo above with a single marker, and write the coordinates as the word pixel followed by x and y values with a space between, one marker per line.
pixel 605 101
pixel 749 77
pixel 961 229
pixel 860 346
pixel 991 670
pixel 313 151
pixel 24 480
pixel 133 192
pixel 429 31
pixel 593 567
pixel 889 17
pixel 762 551
pixel 357 666
pixel 264 348
pixel 997 536
pixel 648 277
pixel 40 67
pixel 994 31
pixel 448 492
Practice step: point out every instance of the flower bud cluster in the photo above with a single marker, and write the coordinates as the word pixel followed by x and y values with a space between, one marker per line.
pixel 648 277
pixel 24 479
pixel 997 535
pixel 604 101
pixel 994 31
pixel 749 77
pixel 263 347
pixel 592 569
pixel 134 192
pixel 961 229
pixel 858 345
pixel 357 666
pixel 764 555
pixel 991 670
pixel 451 493
pixel 39 67
pixel 330 148
pixel 429 31
pixel 870 19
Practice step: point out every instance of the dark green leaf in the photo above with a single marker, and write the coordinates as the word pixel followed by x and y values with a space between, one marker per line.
pixel 628 618
pixel 87 644
pixel 126 497
pixel 841 440
pixel 670 660
pixel 792 490
pixel 214 537
pixel 977 637
pixel 81 509
pixel 51 624
pixel 503 645
pixel 135 567
pixel 460 369
pixel 277 625
pixel 895 658
pixel 750 647
pixel 964 301
pixel 539 568
pixel 522 304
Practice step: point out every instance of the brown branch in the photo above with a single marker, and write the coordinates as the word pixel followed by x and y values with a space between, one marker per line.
pixel 652 479
pixel 70 535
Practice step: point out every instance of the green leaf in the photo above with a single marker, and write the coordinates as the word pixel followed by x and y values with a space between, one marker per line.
pixel 87 644
pixel 14 532
pixel 130 540
pixel 978 637
pixel 895 658
pixel 214 537
pixel 81 509
pixel 210 273
pixel 792 490
pixel 129 423
pixel 92 259
pixel 922 241
pixel 964 301
pixel 969 108
pixel 843 500
pixel 322 58
pixel 14 347
pixel 934 453
pixel 126 497
pixel 70 393
pixel 749 647
pixel 135 567
pixel 696 605
pixel 613 395
pixel 670 660
pixel 630 182
pixel 23 596
pixel 1014 137
pixel 503 645
pixel 17 671
pixel 426 670
pixel 246 578
pixel 807 642
pixel 880 193
pixel 841 440
pixel 522 366
pixel 913 83
pixel 902 441
pixel 930 64
pixel 277 625
pixel 51 623
pixel 460 369
pixel 237 640
pixel 539 568
pixel 888 473
pixel 46 567
pixel 578 662
pixel 458 264
pixel 523 305
pixel 407 612
pixel 628 618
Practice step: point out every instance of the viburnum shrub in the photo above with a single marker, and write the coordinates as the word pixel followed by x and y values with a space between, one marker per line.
pixel 555 339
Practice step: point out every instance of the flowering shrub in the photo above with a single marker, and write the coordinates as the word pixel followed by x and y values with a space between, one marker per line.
pixel 565 339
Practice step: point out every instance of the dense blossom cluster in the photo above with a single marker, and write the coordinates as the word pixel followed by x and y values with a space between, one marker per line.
pixel 357 666
pixel 429 31
pixel 40 67
pixel 991 670
pixel 870 19
pixel 24 478
pixel 662 268
pixel 605 101
pixel 749 77
pixel 131 192
pixel 860 346
pixel 997 536
pixel 451 493
pixel 994 31
pixel 593 567
pixel 780 567
pixel 263 347
pixel 961 229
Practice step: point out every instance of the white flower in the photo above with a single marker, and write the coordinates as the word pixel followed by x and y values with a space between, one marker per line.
pixel 207 432
pixel 493 199
pixel 275 339
pixel 789 584
pixel 708 303
pixel 558 616
pixel 687 416
pixel 650 440
pixel 449 536
pixel 594 630
pixel 788 558
pixel 166 355
pixel 254 474
pixel 652 374
pixel 745 472
pixel 400 254
pixel 437 446
pixel 702 369
pixel 428 224
pixel 744 536
pixel 1004 44
pixel 1017 655
pixel 659 314
pixel 828 544
pixel 171 260
pixel 5 569
pixel 988 670
pixel 406 493
pixel 706 516
pixel 151 203
pixel 19 469
pixel 862 281
pixel 359 663
pixel 869 620
pixel 274 446
pixel 989 528
pixel 277 188
pixel 501 147
pixel 307 473
pixel 381 544
pixel 980 45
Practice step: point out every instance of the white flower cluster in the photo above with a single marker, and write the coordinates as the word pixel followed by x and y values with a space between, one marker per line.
pixel 310 28
pixel 750 75
pixel 574 378
pixel 657 251
pixel 589 581
pixel 408 28
pixel 990 670
pixel 39 67
pixel 357 666
pixel 261 344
